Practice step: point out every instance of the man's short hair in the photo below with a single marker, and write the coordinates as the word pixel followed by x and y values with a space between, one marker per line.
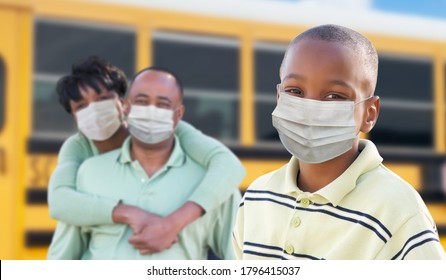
pixel 346 37
pixel 165 70
pixel 91 72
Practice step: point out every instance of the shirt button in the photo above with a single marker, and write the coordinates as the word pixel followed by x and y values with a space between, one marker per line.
pixel 295 222
pixel 143 180
pixel 289 249
pixel 305 202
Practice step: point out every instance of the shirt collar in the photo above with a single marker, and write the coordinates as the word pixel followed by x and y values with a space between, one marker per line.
pixel 367 160
pixel 286 177
pixel 176 158
pixel 335 191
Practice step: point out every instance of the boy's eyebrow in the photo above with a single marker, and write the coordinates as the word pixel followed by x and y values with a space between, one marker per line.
pixel 301 78
pixel 294 76
pixel 341 83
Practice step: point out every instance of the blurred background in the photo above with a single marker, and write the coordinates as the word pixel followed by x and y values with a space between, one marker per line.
pixel 227 54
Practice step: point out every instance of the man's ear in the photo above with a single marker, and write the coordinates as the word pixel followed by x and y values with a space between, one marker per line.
pixel 180 112
pixel 371 114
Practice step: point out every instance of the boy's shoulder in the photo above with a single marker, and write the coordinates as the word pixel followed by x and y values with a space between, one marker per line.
pixel 269 180
pixel 386 187
pixel 383 177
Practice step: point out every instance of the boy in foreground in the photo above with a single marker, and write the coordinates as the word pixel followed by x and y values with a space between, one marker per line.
pixel 334 199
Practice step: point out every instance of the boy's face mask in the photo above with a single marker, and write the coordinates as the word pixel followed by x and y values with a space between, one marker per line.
pixel 150 124
pixel 99 120
pixel 315 131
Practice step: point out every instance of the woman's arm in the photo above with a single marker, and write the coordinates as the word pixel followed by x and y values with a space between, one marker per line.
pixel 224 171
pixel 75 208
pixel 68 243
pixel 65 202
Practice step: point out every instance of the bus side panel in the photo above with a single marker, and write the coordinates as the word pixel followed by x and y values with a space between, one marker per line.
pixel 9 190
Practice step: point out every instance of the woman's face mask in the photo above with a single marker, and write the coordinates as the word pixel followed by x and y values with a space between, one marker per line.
pixel 99 120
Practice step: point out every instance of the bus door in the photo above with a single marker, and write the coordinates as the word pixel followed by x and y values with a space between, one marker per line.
pixel 13 67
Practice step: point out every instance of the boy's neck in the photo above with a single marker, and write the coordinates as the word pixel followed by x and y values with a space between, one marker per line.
pixel 113 142
pixel 313 177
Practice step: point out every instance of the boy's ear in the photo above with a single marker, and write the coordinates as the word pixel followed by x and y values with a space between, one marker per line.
pixel 371 114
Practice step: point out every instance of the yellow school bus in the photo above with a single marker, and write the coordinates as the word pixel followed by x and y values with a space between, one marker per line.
pixel 228 56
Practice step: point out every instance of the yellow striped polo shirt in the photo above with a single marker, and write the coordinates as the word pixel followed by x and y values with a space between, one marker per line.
pixel 366 213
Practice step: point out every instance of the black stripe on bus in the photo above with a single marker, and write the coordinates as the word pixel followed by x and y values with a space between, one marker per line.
pixel 40 145
pixel 34 238
pixel 390 154
pixel 36 196
pixel 433 196
pixel 441 229
pixel 48 145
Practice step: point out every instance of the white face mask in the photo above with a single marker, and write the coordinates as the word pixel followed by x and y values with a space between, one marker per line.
pixel 315 131
pixel 150 124
pixel 99 120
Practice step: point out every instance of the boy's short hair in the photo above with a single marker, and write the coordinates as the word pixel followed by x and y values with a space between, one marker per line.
pixel 91 72
pixel 348 38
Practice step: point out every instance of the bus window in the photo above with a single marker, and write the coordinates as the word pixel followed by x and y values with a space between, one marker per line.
pixel 58 45
pixel 2 93
pixel 406 116
pixel 268 57
pixel 209 70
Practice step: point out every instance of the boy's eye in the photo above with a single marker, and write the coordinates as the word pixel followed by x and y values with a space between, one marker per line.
pixel 335 96
pixel 294 91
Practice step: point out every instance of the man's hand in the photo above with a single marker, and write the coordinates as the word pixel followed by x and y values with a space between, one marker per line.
pixel 136 218
pixel 157 236
pixel 152 233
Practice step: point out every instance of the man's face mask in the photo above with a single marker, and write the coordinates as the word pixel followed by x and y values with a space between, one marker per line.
pixel 99 120
pixel 315 131
pixel 150 124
